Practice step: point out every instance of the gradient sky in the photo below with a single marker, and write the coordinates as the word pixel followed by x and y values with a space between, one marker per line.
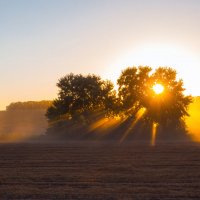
pixel 42 40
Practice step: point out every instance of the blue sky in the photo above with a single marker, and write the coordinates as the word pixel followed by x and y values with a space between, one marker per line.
pixel 42 40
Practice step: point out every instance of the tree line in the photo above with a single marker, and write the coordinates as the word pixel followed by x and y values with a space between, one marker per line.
pixel 23 121
pixel 29 105
pixel 84 98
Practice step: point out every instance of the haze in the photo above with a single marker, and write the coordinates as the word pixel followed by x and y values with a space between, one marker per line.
pixel 41 41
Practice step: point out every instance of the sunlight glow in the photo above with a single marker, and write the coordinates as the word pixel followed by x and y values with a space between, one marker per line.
pixel 139 115
pixel 156 54
pixel 98 123
pixel 193 121
pixel 103 125
pixel 154 131
pixel 158 88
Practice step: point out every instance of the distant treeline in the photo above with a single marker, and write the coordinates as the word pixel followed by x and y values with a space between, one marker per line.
pixel 23 121
pixel 26 120
pixel 29 105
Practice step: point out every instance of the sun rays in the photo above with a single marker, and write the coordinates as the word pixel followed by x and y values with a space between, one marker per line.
pixel 158 89
pixel 139 115
pixel 103 124
pixel 153 134
pixel 143 100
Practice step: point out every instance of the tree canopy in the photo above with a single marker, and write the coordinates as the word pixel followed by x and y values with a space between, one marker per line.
pixel 133 86
pixel 136 91
pixel 79 96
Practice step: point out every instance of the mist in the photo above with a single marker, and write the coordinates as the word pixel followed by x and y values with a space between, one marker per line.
pixel 23 121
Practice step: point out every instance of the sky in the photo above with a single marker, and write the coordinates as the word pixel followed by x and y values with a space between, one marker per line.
pixel 43 40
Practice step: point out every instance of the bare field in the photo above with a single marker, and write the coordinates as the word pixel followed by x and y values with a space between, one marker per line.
pixel 99 170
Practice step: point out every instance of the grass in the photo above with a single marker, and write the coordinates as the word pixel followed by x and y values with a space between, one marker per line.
pixel 99 170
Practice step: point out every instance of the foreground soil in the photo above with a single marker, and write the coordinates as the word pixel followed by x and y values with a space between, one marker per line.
pixel 99 170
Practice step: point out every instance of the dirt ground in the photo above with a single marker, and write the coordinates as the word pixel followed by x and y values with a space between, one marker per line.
pixel 100 170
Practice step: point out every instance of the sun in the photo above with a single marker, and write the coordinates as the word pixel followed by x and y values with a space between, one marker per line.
pixel 158 88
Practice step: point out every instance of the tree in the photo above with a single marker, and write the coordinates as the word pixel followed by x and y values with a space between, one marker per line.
pixel 135 92
pixel 169 108
pixel 133 83
pixel 81 96
pixel 89 99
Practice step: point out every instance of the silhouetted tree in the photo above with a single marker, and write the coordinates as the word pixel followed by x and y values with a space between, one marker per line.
pixel 133 84
pixel 88 99
pixel 135 92
pixel 169 108
pixel 80 96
